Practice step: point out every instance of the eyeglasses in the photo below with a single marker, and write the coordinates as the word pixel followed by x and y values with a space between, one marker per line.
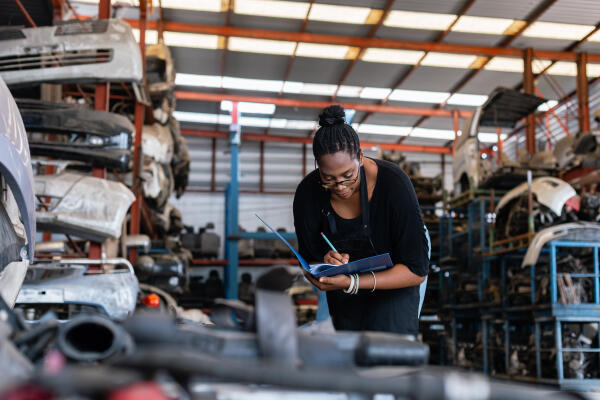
pixel 346 182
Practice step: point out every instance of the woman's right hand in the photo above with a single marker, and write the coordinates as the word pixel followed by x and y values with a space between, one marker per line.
pixel 335 258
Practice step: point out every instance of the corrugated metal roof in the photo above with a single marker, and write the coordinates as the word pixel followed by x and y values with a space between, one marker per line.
pixel 513 9
pixel 581 12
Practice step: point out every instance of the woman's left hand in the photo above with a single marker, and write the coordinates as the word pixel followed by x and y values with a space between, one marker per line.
pixel 336 282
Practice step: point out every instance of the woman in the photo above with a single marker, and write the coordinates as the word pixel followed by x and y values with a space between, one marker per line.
pixel 365 207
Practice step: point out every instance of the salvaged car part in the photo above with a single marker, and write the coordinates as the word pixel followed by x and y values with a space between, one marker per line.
pixel 165 271
pixel 157 143
pixel 181 158
pixel 84 206
pixel 573 151
pixel 72 286
pixel 579 231
pixel 92 338
pixel 503 108
pixel 17 218
pixel 157 183
pixel 549 197
pixel 160 71
pixel 97 138
pixel 74 51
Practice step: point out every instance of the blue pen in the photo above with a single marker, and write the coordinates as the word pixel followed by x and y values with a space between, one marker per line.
pixel 328 242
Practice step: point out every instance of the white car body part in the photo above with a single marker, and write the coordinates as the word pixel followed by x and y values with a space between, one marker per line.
pixel 157 143
pixel 549 191
pixel 76 51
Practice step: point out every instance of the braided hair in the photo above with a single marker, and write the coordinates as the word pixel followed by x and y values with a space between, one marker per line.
pixel 335 134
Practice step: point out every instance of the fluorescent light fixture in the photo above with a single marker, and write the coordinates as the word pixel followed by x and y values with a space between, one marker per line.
pixel 251 108
pixel 349 91
pixel 547 105
pixel 195 5
pixel 377 129
pixel 212 81
pixel 270 8
pixel 261 85
pixel 418 20
pixel 566 68
pixel 151 36
pixel 194 40
pixel 391 56
pixel 374 93
pixel 491 26
pixel 262 46
pixel 321 50
pixel 553 30
pixel 419 96
pixel 461 99
pixel 292 87
pixel 318 89
pixel 489 137
pixel 340 14
pixel 505 64
pixel 448 60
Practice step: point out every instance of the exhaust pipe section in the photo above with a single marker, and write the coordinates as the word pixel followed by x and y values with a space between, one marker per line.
pixel 93 338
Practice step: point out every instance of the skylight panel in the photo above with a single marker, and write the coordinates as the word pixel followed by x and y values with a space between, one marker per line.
pixel 565 68
pixel 251 108
pixel 212 81
pixel 463 99
pixel 441 134
pixel 392 56
pixel 489 137
pixel 194 40
pixel 419 96
pixel 300 124
pixel 261 85
pixel 547 105
pixel 593 70
pixel 322 50
pixel 151 36
pixel 419 20
pixel 492 26
pixel 553 30
pixel 292 87
pixel 349 91
pixel 270 8
pixel 262 46
pixel 374 93
pixel 318 89
pixel 377 129
pixel 195 5
pixel 505 64
pixel 339 14
pixel 448 60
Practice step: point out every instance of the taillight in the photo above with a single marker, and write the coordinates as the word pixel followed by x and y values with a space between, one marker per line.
pixel 152 300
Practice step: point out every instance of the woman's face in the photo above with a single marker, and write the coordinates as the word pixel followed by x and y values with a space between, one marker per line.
pixel 338 167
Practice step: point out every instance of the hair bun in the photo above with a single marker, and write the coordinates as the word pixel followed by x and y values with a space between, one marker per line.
pixel 332 115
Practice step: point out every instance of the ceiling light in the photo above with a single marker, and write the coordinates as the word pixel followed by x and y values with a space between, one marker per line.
pixel 270 8
pixel 261 85
pixel 318 89
pixel 448 60
pixel 392 56
pixel 212 81
pixel 340 14
pixel 552 30
pixel 321 50
pixel 462 99
pixel 195 5
pixel 374 93
pixel 492 26
pixel 419 96
pixel 349 91
pixel 194 40
pixel 419 20
pixel 547 105
pixel 251 108
pixel 262 46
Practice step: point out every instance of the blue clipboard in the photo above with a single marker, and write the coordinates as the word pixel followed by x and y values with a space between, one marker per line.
pixel 374 263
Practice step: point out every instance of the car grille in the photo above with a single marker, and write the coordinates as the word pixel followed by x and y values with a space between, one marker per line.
pixel 55 59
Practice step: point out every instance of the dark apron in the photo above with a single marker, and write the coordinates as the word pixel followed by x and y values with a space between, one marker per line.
pixel 375 311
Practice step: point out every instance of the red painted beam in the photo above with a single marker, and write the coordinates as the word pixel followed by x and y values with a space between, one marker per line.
pixel 282 102
pixel 256 137
pixel 25 13
pixel 363 42
pixel 583 109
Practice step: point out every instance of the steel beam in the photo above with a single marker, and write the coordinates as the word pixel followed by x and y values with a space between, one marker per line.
pixel 283 102
pixel 232 208
pixel 583 108
pixel 257 137
pixel 213 166
pixel 528 87
pixel 23 10
pixel 352 41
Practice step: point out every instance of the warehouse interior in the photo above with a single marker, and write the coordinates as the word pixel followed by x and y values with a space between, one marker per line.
pixel 141 139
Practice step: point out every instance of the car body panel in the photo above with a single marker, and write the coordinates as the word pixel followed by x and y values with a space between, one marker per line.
pixel 580 231
pixel 549 191
pixel 86 206
pixel 76 51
